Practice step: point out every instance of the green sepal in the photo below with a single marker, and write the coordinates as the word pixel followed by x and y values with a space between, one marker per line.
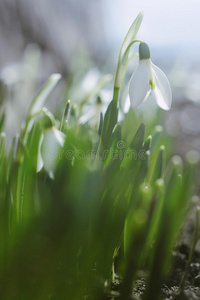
pixel 144 51
pixel 47 120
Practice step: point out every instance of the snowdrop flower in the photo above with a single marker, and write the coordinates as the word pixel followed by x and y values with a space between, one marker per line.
pixel 148 78
pixel 51 141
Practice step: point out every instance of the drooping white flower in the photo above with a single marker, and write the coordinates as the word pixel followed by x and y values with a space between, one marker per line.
pixel 51 141
pixel 146 79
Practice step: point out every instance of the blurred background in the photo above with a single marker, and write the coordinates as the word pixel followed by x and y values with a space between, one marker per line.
pixel 82 39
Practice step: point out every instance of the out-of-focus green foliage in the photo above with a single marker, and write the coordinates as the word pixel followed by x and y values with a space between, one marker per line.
pixel 60 237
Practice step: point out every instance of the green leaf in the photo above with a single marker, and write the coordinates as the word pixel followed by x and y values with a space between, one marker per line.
pixel 133 158
pixel 189 175
pixel 131 34
pixel 124 52
pixel 114 144
pixel 138 139
pixel 100 123
pixel 159 167
pixel 43 94
pixel 2 121
pixel 147 143
pixel 155 136
pixel 110 120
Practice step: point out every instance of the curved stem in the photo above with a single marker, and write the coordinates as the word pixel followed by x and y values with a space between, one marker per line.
pixel 120 72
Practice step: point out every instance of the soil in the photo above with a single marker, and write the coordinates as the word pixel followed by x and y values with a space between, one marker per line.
pixel 171 289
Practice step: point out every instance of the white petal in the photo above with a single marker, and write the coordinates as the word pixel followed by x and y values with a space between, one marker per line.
pixel 162 90
pixel 60 136
pixel 139 84
pixel 52 142
pixel 40 160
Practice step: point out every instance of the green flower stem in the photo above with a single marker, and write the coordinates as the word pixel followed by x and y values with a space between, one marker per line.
pixel 111 115
pixel 121 68
pixel 116 94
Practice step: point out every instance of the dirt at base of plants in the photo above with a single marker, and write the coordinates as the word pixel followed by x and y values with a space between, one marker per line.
pixel 171 289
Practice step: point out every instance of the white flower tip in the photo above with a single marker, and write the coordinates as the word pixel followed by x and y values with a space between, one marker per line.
pixel 162 148
pixel 56 76
pixel 166 107
pixel 158 129
pixel 177 160
pixel 141 13
pixel 3 135
pixel 192 157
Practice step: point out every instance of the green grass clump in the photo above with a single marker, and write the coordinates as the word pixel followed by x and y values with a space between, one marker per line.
pixel 80 206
